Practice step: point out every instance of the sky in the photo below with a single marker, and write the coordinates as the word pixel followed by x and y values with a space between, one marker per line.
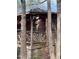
pixel 41 6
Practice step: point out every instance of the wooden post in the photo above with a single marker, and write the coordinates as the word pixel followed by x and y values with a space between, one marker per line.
pixel 31 37
pixel 50 38
pixel 23 31
pixel 29 48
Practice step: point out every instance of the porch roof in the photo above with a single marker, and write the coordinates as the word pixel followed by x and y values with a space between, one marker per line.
pixel 42 7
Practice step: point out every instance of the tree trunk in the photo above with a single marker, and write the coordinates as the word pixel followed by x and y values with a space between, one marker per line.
pixel 58 44
pixel 58 38
pixel 50 38
pixel 23 31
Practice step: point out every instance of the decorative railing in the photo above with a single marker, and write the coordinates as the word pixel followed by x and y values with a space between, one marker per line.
pixel 37 37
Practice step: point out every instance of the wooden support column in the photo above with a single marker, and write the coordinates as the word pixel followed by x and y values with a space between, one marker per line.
pixel 23 31
pixel 49 30
pixel 31 37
